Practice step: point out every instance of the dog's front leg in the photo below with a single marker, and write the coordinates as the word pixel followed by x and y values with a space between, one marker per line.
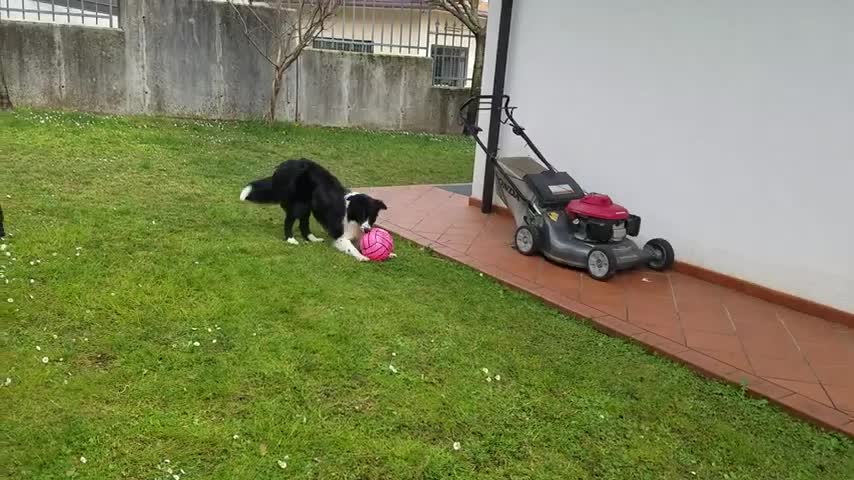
pixel 343 244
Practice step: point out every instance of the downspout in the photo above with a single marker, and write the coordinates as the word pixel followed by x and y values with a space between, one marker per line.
pixel 495 111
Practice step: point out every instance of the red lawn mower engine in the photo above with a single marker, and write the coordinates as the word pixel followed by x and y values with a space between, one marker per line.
pixel 597 219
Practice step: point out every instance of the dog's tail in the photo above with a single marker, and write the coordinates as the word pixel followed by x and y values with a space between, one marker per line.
pixel 260 191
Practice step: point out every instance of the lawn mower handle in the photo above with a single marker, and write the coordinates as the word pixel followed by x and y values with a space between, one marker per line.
pixel 485 104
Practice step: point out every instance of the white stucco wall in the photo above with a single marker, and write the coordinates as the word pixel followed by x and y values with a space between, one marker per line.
pixel 727 125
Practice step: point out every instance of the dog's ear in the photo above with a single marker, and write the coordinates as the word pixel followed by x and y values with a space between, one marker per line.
pixel 380 205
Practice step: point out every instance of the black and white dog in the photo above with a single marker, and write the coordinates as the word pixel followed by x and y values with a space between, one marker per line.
pixel 302 187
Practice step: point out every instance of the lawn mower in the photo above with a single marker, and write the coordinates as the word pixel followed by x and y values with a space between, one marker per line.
pixel 555 217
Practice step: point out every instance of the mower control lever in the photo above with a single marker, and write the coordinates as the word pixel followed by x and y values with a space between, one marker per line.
pixel 484 103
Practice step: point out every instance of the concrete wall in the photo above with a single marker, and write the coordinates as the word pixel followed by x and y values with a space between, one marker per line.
pixel 185 58
pixel 341 89
pixel 190 58
pixel 45 11
pixel 61 66
pixel 726 125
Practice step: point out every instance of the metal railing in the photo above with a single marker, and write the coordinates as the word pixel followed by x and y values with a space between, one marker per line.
pixel 402 27
pixel 452 48
pixel 389 26
pixel 92 13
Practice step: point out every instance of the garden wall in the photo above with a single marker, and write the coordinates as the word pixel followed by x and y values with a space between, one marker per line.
pixel 190 58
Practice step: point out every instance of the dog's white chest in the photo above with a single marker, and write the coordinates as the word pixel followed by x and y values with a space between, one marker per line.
pixel 352 230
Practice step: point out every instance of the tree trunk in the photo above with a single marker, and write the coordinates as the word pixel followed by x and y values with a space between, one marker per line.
pixel 278 73
pixel 5 100
pixel 476 76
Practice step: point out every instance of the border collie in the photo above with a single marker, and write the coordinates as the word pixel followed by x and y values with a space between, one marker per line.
pixel 302 187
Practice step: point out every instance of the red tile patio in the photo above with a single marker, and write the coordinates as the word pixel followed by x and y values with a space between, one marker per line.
pixel 800 362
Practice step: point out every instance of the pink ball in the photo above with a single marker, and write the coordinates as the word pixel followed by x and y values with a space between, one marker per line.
pixel 377 244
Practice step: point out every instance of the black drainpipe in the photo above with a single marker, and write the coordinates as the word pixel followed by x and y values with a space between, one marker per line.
pixel 497 93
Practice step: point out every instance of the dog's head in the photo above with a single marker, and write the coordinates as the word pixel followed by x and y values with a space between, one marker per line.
pixel 364 210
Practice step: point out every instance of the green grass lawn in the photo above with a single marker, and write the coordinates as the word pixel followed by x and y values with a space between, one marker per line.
pixel 156 325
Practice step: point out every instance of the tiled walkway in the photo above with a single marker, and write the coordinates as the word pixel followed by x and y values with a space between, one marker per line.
pixel 803 363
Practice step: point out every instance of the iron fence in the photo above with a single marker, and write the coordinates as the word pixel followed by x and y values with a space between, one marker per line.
pixel 451 50
pixel 93 13
pixel 403 28
pixel 391 27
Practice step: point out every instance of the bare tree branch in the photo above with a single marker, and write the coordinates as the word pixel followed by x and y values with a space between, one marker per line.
pixel 472 10
pixel 466 11
pixel 291 30
pixel 249 36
